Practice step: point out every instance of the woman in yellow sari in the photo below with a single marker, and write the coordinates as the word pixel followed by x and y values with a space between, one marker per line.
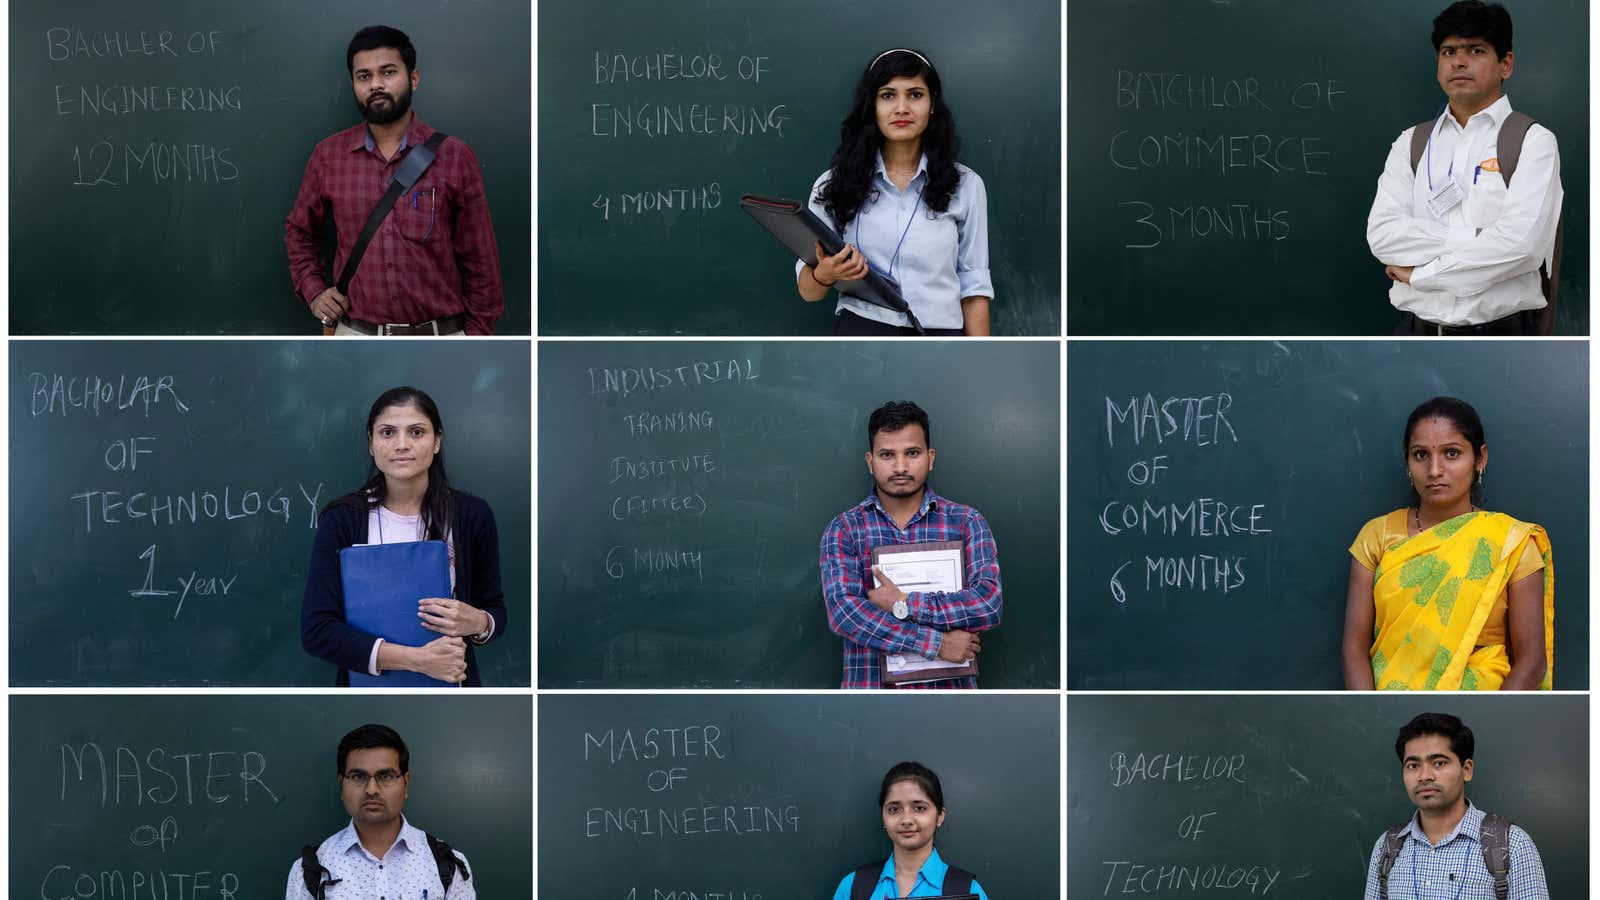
pixel 1445 595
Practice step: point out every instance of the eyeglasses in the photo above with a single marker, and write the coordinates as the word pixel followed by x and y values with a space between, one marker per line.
pixel 358 778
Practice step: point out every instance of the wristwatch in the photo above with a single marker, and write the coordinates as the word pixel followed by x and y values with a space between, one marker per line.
pixel 901 610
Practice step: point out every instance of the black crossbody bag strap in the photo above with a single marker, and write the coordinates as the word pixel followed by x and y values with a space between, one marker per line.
pixel 415 163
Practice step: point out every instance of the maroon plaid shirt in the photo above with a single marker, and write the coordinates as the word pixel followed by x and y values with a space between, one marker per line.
pixel 433 256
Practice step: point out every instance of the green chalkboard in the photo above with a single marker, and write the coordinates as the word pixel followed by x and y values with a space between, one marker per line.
pixel 654 119
pixel 777 796
pixel 164 497
pixel 1268 236
pixel 1285 796
pixel 214 796
pixel 156 149
pixel 684 488
pixel 1309 444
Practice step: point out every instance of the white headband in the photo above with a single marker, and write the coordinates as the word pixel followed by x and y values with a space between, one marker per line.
pixel 900 50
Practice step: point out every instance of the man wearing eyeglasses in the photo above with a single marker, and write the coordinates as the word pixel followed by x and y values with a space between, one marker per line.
pixel 379 854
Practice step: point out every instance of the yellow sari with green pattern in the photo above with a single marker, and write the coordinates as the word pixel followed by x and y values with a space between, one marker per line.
pixel 1433 593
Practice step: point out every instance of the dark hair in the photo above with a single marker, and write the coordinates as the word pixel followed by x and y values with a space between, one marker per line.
pixel 895 415
pixel 1475 19
pixel 917 773
pixel 438 507
pixel 1442 724
pixel 849 183
pixel 1458 413
pixel 369 736
pixel 374 36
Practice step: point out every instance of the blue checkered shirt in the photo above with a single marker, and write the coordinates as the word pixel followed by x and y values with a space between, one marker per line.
pixel 868 631
pixel 1454 867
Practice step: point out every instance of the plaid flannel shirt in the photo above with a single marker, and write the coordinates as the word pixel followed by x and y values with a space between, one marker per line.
pixel 434 255
pixel 868 631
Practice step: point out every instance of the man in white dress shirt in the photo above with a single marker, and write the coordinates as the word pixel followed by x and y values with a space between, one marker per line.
pixel 379 854
pixel 1469 247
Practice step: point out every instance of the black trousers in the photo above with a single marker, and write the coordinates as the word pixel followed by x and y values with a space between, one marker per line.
pixel 848 324
pixel 1514 325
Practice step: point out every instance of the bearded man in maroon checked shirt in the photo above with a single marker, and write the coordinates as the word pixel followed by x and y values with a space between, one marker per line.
pixel 432 266
pixel 902 509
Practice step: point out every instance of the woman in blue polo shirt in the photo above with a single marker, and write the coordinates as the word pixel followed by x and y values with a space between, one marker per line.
pixel 912 804
pixel 904 206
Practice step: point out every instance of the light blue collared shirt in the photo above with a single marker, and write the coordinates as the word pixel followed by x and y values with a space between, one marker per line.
pixel 930 881
pixel 943 257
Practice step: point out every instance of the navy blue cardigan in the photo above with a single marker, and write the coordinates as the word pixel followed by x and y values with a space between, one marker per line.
pixel 323 631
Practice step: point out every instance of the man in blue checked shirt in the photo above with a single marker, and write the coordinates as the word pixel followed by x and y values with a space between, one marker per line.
pixel 902 509
pixel 1445 850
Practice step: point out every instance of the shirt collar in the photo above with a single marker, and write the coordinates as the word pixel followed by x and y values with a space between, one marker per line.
pixel 416 134
pixel 1470 826
pixel 922 168
pixel 348 840
pixel 1496 111
pixel 932 871
pixel 929 500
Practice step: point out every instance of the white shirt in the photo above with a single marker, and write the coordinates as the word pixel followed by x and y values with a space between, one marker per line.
pixel 942 257
pixel 1463 277
pixel 405 871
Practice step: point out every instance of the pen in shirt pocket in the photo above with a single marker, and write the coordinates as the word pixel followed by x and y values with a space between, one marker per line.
pixel 1474 177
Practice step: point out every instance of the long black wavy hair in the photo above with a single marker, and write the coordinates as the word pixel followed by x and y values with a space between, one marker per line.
pixel 849 183
pixel 438 507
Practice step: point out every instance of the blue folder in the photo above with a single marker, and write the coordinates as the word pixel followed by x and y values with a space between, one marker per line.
pixel 382 584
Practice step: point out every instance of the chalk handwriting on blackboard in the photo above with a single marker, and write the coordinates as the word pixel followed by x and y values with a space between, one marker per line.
pixel 1199 423
pixel 1252 126
pixel 1139 773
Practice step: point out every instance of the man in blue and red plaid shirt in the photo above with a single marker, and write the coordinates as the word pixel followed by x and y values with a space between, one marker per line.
pixel 902 509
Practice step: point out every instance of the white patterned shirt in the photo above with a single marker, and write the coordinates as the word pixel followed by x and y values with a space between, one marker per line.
pixel 407 870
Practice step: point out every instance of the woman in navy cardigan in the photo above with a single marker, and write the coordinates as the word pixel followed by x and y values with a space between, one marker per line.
pixel 406 498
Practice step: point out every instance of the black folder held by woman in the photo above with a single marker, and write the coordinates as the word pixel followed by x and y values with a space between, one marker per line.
pixel 798 228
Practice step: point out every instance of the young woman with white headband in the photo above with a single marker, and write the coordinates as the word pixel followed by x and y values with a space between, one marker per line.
pixel 904 206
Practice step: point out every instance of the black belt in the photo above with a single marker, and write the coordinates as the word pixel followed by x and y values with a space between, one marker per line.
pixel 1518 323
pixel 441 326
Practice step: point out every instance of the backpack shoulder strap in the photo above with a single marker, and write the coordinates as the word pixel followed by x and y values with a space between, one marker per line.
pixel 446 860
pixel 1393 840
pixel 958 881
pixel 1419 141
pixel 406 174
pixel 1495 838
pixel 866 879
pixel 1508 150
pixel 314 874
pixel 1508 146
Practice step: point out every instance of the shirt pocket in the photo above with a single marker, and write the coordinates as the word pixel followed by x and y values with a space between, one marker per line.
pixel 1486 199
pixel 419 211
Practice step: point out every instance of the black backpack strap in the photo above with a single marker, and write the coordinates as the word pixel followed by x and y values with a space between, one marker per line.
pixel 415 163
pixel 1494 835
pixel 446 860
pixel 314 874
pixel 1393 840
pixel 1419 141
pixel 866 879
pixel 958 881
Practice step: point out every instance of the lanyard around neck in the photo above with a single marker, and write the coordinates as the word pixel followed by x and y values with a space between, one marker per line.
pixel 895 259
pixel 1438 123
